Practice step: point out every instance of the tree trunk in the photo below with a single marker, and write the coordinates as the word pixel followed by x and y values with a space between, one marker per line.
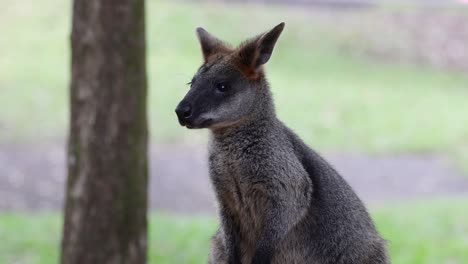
pixel 106 200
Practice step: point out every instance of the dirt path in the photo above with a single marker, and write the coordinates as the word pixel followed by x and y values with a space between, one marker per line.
pixel 32 178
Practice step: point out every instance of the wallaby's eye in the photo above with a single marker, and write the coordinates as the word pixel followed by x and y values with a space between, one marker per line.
pixel 222 87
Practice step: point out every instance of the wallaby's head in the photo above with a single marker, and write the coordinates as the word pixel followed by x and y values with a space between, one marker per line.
pixel 226 89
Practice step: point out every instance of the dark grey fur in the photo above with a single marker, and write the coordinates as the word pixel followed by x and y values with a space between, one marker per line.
pixel 279 201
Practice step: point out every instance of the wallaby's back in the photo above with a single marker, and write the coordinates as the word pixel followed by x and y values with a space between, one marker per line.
pixel 337 228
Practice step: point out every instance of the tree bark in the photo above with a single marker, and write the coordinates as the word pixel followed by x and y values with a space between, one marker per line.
pixel 106 199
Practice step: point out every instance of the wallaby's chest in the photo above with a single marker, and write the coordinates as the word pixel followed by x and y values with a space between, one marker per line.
pixel 236 194
pixel 230 178
pixel 235 184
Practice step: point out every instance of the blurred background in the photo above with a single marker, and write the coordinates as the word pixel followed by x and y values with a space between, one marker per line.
pixel 380 88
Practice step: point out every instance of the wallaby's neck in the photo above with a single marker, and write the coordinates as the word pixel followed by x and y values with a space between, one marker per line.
pixel 261 121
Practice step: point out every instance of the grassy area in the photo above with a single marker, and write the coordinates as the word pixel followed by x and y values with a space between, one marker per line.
pixel 334 101
pixel 418 233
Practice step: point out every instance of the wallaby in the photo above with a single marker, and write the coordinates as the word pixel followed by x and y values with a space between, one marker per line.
pixel 279 201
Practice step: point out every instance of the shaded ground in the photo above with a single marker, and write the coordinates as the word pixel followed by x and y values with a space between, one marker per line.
pixel 33 177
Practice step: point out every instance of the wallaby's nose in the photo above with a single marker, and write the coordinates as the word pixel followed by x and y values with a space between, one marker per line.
pixel 183 111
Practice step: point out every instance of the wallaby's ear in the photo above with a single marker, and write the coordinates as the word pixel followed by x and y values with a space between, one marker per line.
pixel 257 51
pixel 210 44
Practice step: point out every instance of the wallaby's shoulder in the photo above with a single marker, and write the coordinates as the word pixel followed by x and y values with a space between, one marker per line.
pixel 312 161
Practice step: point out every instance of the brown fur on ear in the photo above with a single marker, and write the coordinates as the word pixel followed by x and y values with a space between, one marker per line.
pixel 248 71
pixel 253 53
pixel 211 45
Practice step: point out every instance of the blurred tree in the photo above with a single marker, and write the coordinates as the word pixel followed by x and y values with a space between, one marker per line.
pixel 106 200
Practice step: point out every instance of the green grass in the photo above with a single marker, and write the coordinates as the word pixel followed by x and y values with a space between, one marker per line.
pixel 418 233
pixel 334 101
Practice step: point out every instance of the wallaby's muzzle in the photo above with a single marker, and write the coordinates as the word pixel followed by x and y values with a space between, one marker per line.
pixel 184 112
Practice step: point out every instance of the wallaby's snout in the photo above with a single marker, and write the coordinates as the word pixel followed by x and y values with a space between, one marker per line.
pixel 193 110
pixel 184 112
